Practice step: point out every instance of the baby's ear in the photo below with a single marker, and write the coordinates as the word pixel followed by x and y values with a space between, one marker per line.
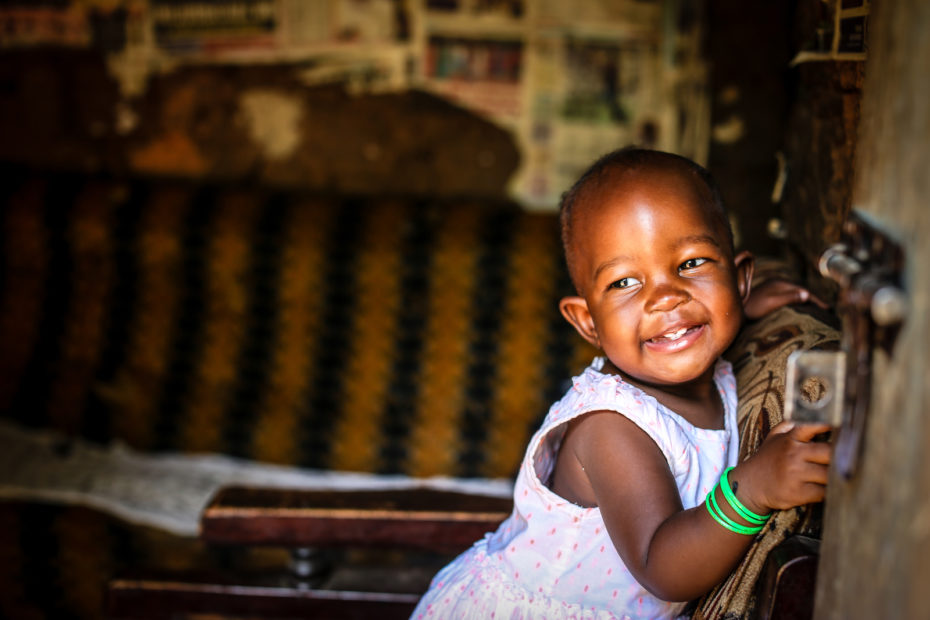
pixel 745 263
pixel 575 310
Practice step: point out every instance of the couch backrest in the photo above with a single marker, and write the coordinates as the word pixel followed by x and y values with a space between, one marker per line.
pixel 390 335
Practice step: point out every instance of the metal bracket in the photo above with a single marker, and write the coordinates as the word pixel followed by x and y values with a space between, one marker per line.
pixel 814 387
pixel 868 267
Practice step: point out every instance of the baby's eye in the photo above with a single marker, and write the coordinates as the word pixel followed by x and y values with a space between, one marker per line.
pixel 624 283
pixel 691 263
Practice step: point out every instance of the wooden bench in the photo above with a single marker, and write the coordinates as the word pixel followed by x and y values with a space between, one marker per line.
pixel 336 569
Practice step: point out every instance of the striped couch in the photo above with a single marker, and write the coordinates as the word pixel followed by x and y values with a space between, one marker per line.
pixel 391 336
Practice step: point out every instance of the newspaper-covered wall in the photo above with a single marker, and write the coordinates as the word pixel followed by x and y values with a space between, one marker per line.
pixel 570 81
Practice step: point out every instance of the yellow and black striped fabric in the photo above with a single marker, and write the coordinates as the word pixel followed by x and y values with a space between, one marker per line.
pixel 395 335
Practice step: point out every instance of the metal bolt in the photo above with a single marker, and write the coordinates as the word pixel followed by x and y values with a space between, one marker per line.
pixel 837 265
pixel 889 305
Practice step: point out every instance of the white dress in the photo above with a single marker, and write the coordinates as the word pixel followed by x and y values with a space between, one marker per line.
pixel 554 559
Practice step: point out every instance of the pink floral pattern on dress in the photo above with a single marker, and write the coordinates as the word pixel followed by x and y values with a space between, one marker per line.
pixel 554 559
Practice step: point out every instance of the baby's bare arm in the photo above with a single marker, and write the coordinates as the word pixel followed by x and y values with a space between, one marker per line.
pixel 680 554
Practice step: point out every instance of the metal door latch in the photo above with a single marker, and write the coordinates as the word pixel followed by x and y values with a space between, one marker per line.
pixel 835 387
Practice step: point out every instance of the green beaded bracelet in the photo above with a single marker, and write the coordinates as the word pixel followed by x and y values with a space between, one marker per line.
pixel 720 517
pixel 737 505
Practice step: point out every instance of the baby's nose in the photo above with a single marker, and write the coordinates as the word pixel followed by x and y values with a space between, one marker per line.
pixel 665 297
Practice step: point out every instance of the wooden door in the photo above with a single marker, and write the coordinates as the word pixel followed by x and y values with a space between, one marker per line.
pixel 875 557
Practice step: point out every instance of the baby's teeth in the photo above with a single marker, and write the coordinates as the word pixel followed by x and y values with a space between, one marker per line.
pixel 676 335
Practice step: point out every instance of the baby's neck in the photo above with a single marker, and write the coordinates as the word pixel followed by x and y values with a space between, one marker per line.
pixel 697 401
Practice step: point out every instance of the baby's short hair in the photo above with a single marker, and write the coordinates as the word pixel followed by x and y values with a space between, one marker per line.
pixel 633 158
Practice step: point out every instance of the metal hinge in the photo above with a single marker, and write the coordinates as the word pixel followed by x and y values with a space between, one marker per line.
pixel 835 387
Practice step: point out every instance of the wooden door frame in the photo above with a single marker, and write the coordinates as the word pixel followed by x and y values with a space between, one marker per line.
pixel 875 555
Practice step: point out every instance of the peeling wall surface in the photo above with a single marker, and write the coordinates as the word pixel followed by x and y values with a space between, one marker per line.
pixel 821 136
pixel 785 117
pixel 246 123
pixel 273 120
pixel 507 99
pixel 821 150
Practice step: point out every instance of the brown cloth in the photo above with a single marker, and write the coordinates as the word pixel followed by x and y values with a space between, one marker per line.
pixel 759 357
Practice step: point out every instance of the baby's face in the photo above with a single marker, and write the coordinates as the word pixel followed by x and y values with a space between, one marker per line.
pixel 659 278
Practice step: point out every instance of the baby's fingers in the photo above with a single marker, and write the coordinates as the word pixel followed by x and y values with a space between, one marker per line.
pixel 816 484
pixel 819 453
pixel 808 488
pixel 807 431
pixel 813 493
pixel 784 426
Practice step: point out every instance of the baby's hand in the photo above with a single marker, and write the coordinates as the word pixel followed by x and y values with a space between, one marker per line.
pixel 773 294
pixel 788 470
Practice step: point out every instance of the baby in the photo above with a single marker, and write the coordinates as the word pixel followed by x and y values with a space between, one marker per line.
pixel 630 501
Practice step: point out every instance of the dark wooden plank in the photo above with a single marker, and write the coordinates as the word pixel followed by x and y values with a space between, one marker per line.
pixel 416 518
pixel 156 597
pixel 786 586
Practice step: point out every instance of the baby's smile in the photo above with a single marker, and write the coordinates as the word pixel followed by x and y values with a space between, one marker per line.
pixel 675 340
pixel 674 335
